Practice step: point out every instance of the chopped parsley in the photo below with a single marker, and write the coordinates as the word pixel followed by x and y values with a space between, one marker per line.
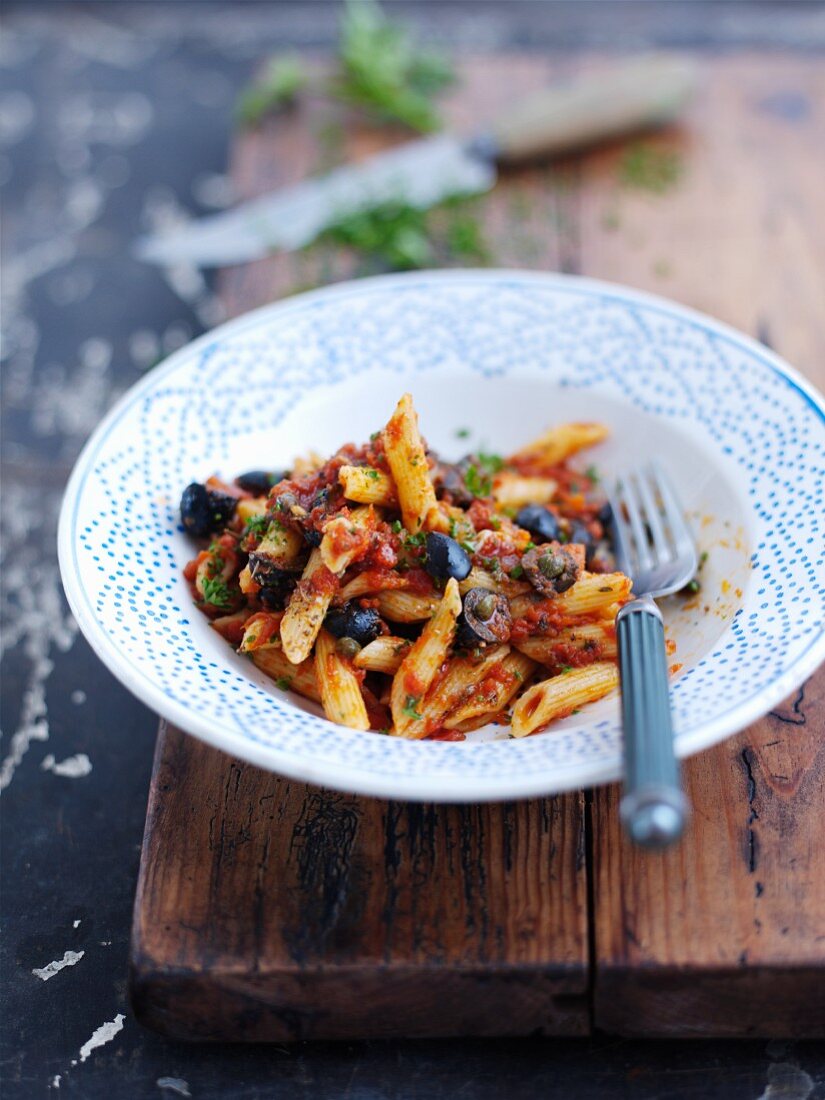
pixel 373 474
pixel 284 683
pixel 593 474
pixel 476 483
pixel 516 572
pixel 216 592
pixel 462 433
pixel 412 541
pixel 490 462
pixel 409 707
pixel 257 525
pixel 397 526
pixel 374 436
pixel 566 668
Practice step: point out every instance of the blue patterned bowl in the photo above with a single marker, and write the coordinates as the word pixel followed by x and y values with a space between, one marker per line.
pixel 503 354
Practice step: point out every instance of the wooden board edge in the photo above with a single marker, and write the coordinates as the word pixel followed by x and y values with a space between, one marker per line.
pixel 654 1002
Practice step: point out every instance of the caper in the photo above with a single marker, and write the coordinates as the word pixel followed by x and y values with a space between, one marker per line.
pixel 485 607
pixel 348 647
pixel 552 566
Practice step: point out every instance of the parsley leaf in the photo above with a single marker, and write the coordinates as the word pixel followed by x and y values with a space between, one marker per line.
pixel 462 433
pixel 478 485
pixel 409 707
pixel 257 525
pixel 216 592
pixel 284 683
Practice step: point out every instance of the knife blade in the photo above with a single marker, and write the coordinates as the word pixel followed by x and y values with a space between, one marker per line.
pixel 594 107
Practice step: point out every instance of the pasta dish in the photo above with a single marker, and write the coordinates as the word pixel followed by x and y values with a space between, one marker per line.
pixel 413 596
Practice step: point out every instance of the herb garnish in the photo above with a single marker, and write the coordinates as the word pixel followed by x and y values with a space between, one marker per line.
pixel 409 707
pixel 284 683
pixel 216 592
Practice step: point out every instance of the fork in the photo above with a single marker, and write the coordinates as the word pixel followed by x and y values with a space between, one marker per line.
pixel 655 549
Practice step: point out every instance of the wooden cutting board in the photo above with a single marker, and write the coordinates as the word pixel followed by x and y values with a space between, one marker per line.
pixel 270 910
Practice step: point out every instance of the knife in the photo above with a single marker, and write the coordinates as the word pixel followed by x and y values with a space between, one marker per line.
pixel 565 117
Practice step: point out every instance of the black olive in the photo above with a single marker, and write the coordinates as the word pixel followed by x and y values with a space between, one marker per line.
pixel 550 569
pixel 485 618
pixel 351 621
pixel 578 533
pixel 277 586
pixel 446 559
pixel 258 482
pixel 605 515
pixel 203 510
pixel 312 537
pixel 449 478
pixel 542 524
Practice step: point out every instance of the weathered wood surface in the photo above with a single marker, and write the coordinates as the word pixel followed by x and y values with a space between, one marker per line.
pixel 270 910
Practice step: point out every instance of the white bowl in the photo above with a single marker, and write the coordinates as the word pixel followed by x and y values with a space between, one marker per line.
pixel 506 354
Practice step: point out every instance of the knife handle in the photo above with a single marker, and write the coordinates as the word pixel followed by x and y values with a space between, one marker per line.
pixel 593 107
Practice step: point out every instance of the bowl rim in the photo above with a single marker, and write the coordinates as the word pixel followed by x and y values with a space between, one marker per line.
pixel 421 787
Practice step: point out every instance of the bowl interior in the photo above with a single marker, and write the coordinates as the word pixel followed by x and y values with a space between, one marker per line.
pixel 501 414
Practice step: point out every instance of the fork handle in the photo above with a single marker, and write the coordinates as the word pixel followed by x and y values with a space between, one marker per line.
pixel 654 808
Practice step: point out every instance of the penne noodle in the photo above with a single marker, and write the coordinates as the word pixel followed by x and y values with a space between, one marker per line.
pixel 301 678
pixel 513 490
pixel 592 594
pixel 408 464
pixel 340 691
pixel 248 508
pixel 372 581
pixel 480 578
pixel 367 485
pixel 407 607
pixel 494 694
pixel 306 464
pixel 307 607
pixel 261 630
pixel 248 585
pixel 560 442
pixel 280 547
pixel 422 663
pixel 558 696
pixel 598 637
pixel 384 654
pixel 458 682
pixel 347 538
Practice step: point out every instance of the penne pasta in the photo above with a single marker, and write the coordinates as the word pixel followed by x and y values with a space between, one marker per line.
pixel 408 463
pixel 560 442
pixel 384 654
pixel 248 508
pixel 289 677
pixel 600 638
pixel 592 594
pixel 560 695
pixel 421 665
pixel 366 485
pixel 281 547
pixel 307 607
pixel 340 691
pixel 494 692
pixel 407 607
pixel 370 581
pixel 513 490
pixel 458 682
pixel 365 534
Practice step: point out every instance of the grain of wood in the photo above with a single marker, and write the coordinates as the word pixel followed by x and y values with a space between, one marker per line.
pixel 267 909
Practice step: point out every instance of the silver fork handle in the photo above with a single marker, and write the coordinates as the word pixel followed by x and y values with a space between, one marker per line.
pixel 653 809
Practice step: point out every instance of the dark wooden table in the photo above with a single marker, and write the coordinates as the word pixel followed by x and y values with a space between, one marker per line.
pixel 114 116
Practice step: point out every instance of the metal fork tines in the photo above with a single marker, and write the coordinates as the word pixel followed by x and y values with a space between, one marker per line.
pixel 655 549
pixel 653 543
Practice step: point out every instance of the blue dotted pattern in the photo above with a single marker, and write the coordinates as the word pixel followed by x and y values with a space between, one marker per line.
pixel 250 375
